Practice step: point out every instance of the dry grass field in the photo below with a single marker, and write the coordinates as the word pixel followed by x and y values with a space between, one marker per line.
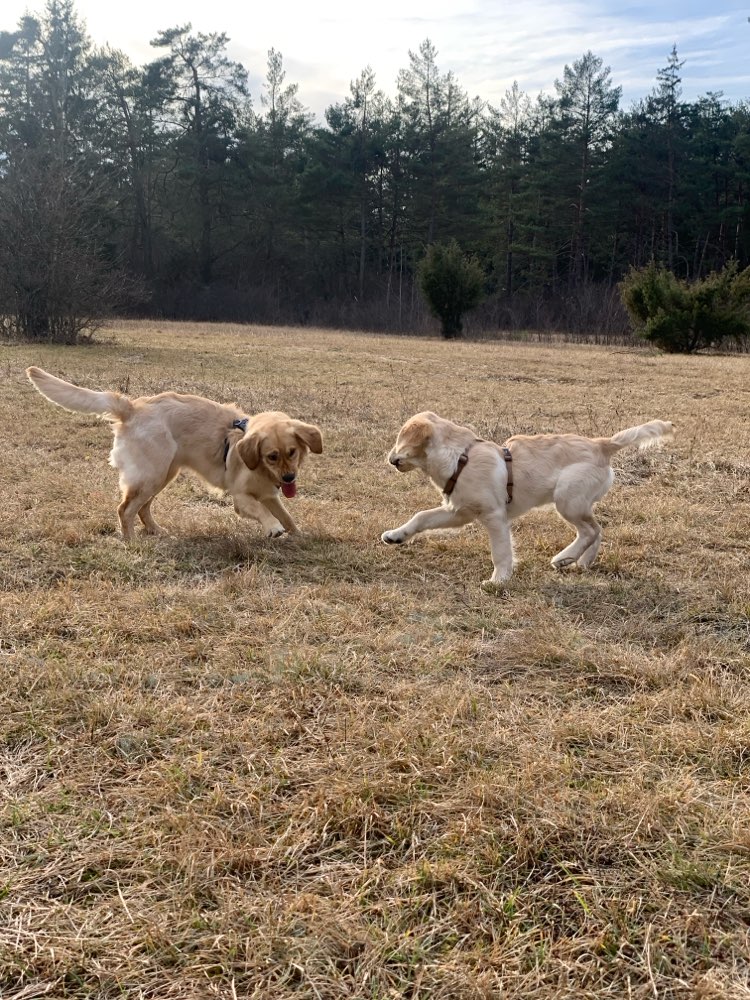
pixel 321 767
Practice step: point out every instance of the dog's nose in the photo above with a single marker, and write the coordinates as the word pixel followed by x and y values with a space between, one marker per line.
pixel 394 460
pixel 288 478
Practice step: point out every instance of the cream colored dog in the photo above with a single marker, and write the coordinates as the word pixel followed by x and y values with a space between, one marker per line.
pixel 250 458
pixel 484 482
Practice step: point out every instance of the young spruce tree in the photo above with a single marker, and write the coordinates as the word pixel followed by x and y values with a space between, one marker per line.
pixel 452 283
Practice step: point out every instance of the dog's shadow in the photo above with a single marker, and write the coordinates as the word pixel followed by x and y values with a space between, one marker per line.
pixel 194 554
pixel 306 558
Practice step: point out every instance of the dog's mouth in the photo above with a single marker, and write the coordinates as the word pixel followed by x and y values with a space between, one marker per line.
pixel 289 490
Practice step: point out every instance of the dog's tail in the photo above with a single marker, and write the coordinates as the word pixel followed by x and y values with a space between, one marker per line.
pixel 644 436
pixel 110 405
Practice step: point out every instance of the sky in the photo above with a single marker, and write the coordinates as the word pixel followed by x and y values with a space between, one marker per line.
pixel 487 44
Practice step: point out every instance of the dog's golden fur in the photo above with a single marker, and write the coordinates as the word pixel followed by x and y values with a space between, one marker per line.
pixel 568 470
pixel 157 436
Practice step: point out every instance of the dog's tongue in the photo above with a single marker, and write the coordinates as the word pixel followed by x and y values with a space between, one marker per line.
pixel 289 490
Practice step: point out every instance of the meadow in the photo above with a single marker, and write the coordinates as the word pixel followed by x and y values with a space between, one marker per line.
pixel 321 767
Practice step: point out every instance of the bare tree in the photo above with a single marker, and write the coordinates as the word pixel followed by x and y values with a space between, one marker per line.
pixel 55 281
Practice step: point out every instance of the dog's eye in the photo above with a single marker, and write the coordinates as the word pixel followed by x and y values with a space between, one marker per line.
pixel 292 452
pixel 272 457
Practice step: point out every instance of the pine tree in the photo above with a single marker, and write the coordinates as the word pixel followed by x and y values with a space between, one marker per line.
pixel 208 94
pixel 588 104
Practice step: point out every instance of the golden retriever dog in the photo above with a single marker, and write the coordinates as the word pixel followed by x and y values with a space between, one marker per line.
pixel 250 458
pixel 493 484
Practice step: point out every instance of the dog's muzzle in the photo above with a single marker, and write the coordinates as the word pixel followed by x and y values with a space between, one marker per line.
pixel 289 477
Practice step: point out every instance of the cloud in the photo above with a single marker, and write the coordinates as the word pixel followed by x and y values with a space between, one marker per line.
pixel 487 45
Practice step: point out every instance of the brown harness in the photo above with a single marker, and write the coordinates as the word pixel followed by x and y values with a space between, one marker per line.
pixel 463 458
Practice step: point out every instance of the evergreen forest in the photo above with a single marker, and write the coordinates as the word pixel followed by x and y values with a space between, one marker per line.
pixel 170 190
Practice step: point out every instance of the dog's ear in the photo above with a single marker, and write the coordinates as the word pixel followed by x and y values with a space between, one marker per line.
pixel 416 431
pixel 310 436
pixel 249 450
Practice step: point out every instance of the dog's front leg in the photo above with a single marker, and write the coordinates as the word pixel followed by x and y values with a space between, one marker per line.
pixel 428 520
pixel 248 507
pixel 501 546
pixel 280 512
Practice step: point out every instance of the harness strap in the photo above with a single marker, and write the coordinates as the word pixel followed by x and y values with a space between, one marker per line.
pixel 463 458
pixel 237 425
pixel 509 466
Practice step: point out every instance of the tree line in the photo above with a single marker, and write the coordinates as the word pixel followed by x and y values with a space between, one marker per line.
pixel 165 189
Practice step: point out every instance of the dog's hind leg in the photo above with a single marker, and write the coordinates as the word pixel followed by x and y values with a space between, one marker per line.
pixel 134 500
pixel 146 465
pixel 577 491
pixel 588 536
pixel 585 560
pixel 150 526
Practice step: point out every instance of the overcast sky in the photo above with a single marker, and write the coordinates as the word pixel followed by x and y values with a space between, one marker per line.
pixel 488 45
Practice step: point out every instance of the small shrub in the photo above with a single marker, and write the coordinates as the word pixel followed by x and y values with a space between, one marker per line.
pixel 452 283
pixel 682 317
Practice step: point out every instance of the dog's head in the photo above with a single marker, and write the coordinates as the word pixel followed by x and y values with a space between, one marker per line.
pixel 413 442
pixel 275 445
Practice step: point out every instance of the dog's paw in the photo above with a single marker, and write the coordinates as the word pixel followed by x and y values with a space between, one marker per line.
pixel 392 538
pixel 154 530
pixel 276 531
pixel 561 563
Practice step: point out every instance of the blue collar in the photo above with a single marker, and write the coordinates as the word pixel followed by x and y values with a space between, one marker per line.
pixel 237 425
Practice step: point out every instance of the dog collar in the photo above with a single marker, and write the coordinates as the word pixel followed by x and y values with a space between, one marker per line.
pixel 463 458
pixel 237 425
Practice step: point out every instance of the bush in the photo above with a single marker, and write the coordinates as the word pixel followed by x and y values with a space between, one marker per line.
pixel 55 281
pixel 452 283
pixel 682 317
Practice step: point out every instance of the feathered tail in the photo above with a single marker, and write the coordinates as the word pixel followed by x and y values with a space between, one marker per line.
pixel 644 436
pixel 110 405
